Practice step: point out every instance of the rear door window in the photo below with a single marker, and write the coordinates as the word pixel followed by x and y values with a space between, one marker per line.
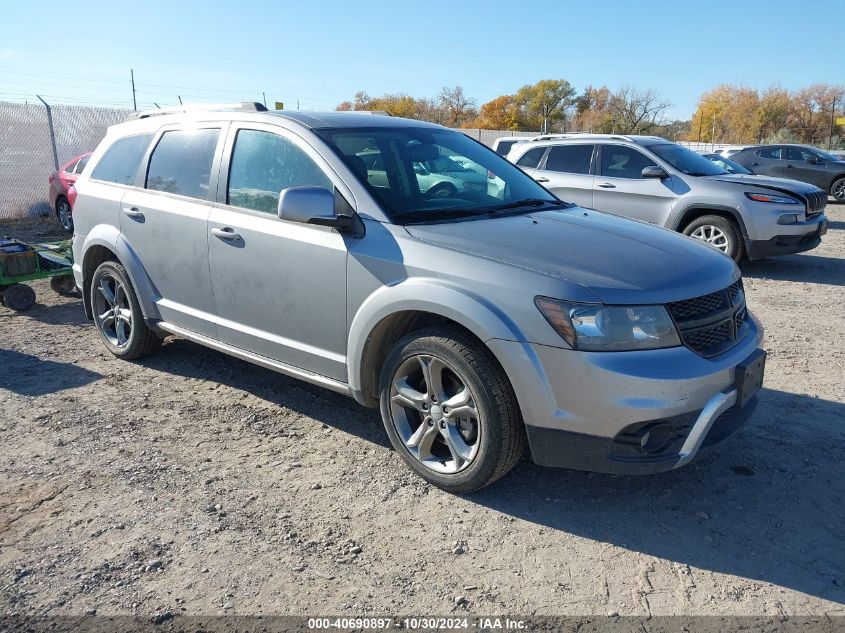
pixel 181 162
pixel 619 161
pixel 121 161
pixel 532 157
pixel 264 163
pixel 769 152
pixel 503 147
pixel 570 159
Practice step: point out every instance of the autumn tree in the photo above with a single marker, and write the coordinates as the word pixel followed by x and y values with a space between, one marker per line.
pixel 501 113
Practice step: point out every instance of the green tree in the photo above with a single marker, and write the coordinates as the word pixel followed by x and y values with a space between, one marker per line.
pixel 545 105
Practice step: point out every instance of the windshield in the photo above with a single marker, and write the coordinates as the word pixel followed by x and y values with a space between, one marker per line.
pixel 825 156
pixel 728 165
pixel 686 161
pixel 425 175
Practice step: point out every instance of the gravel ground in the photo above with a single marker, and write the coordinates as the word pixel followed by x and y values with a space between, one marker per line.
pixel 194 483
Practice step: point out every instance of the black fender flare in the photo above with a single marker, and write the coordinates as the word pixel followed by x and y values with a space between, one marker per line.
pixel 693 209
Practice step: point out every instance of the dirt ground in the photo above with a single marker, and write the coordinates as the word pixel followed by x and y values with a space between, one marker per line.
pixel 194 483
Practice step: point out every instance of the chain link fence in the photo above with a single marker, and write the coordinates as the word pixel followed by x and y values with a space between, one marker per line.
pixel 35 140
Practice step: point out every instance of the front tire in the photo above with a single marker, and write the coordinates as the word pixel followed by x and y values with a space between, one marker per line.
pixel 450 411
pixel 837 189
pixel 718 232
pixel 117 314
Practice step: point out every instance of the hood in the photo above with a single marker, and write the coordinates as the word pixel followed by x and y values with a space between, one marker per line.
pixel 621 261
pixel 784 185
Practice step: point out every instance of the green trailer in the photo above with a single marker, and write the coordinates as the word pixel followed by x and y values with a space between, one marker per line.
pixel 21 262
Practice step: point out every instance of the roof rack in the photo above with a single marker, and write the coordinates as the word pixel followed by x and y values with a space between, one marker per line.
pixel 243 106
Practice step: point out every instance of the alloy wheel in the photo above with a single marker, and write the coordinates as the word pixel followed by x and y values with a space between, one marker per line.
pixel 839 189
pixel 112 310
pixel 713 235
pixel 434 414
pixel 65 215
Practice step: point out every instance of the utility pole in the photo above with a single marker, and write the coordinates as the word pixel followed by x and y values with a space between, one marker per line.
pixel 52 131
pixel 134 103
pixel 713 136
pixel 297 104
pixel 264 99
pixel 832 115
pixel 700 121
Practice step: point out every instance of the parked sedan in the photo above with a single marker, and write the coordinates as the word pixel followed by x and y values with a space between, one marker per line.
pixel 60 181
pixel 441 177
pixel 727 164
pixel 798 162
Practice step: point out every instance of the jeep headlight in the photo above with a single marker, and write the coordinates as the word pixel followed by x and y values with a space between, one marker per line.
pixel 767 197
pixel 600 328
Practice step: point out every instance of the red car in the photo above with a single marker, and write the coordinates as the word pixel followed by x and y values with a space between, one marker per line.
pixel 60 182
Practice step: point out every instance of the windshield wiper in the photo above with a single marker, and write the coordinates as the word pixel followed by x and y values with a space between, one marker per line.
pixel 421 215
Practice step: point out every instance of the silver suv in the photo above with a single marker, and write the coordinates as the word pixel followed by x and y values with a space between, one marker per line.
pixel 651 179
pixel 480 321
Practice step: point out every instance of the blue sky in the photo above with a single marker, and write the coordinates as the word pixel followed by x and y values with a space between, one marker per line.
pixel 322 52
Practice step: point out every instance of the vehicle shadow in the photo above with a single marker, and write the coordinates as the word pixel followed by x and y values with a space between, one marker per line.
pixel 188 359
pixel 765 505
pixel 34 376
pixel 815 269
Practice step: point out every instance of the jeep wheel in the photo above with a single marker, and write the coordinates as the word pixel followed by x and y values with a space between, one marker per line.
pixel 719 233
pixel 117 314
pixel 450 411
pixel 837 190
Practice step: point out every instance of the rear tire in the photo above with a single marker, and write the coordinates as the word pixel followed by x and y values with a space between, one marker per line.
pixel 64 214
pixel 19 297
pixel 117 314
pixel 718 232
pixel 462 446
pixel 837 189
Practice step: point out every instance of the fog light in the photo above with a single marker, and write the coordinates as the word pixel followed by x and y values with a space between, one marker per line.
pixel 656 438
pixel 789 218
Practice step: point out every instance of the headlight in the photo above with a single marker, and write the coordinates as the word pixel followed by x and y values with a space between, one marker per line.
pixel 598 328
pixel 765 197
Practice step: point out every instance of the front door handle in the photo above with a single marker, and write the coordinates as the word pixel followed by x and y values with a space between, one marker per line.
pixel 607 185
pixel 541 179
pixel 134 213
pixel 225 234
pixel 790 166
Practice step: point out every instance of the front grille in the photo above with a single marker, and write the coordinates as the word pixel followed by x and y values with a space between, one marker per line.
pixel 816 202
pixel 698 306
pixel 712 323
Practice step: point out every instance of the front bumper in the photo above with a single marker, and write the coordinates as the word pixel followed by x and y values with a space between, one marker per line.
pixel 803 236
pixel 678 440
pixel 626 412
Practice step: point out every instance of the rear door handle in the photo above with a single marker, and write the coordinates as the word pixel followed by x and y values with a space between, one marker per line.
pixel 790 166
pixel 134 213
pixel 606 185
pixel 225 234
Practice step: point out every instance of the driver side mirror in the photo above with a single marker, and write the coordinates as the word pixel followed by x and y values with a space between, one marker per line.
pixel 653 171
pixel 311 205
